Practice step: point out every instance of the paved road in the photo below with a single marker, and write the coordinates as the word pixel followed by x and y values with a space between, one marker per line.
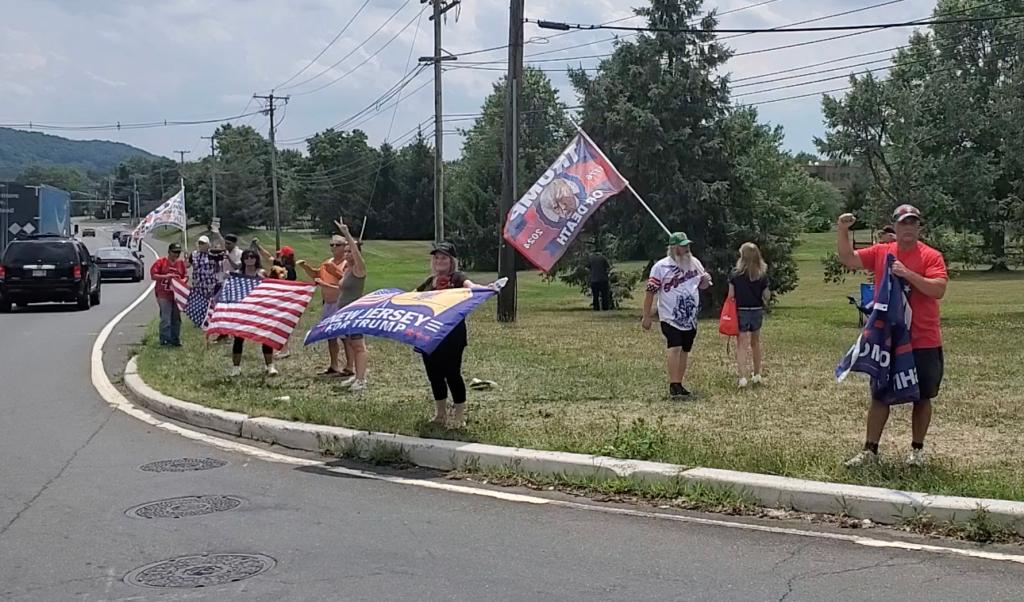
pixel 70 468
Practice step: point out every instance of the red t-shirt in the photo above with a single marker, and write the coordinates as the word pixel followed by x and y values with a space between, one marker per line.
pixel 164 266
pixel 926 261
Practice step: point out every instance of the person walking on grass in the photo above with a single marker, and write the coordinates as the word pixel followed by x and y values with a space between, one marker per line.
pixel 163 272
pixel 329 275
pixel 250 269
pixel 600 284
pixel 350 288
pixel 749 286
pixel 924 270
pixel 444 365
pixel 676 281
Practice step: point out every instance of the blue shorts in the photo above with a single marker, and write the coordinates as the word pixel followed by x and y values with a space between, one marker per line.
pixel 750 320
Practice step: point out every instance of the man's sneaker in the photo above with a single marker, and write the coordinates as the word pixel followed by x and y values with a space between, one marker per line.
pixel 864 458
pixel 358 387
pixel 677 391
pixel 915 458
pixel 235 371
pixel 757 380
pixel 348 382
pixel 272 371
pixel 743 383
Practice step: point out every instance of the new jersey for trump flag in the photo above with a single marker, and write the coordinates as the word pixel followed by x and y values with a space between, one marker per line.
pixel 420 319
pixel 261 310
pixel 543 224
pixel 170 213
pixel 883 350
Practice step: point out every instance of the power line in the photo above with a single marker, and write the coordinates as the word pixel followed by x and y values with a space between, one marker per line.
pixel 351 52
pixel 32 125
pixel 873 26
pixel 327 47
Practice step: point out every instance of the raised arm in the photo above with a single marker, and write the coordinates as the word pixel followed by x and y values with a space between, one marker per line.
pixel 359 269
pixel 265 254
pixel 844 246
pixel 314 274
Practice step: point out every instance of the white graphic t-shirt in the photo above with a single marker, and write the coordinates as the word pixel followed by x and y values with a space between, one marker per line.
pixel 678 291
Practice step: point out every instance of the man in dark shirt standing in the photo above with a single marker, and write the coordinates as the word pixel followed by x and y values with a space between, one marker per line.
pixel 600 288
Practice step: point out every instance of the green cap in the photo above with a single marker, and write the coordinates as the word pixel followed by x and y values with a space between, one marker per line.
pixel 679 239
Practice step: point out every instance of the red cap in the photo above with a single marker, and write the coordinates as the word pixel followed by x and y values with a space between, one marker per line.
pixel 287 251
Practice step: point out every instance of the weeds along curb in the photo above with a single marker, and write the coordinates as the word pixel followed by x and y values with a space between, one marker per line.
pixel 885 506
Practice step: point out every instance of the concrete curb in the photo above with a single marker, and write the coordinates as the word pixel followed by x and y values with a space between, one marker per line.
pixel 885 506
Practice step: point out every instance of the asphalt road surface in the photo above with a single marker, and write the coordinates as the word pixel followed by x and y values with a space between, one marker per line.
pixel 70 475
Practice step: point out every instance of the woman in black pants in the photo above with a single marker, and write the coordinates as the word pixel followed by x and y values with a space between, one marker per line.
pixel 250 268
pixel 444 365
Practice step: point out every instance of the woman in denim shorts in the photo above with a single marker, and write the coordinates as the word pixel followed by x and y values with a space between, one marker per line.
pixel 749 286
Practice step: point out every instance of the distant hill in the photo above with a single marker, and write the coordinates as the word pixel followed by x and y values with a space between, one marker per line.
pixel 19 149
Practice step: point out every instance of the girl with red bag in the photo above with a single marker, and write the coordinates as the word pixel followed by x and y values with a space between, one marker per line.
pixel 749 291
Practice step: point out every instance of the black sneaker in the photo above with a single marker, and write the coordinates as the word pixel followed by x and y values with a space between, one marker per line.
pixel 677 391
pixel 683 391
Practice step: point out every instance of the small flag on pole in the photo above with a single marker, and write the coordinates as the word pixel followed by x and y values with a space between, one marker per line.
pixel 170 213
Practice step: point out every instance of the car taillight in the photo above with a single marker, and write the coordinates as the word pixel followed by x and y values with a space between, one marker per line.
pixel 76 272
pixel 3 272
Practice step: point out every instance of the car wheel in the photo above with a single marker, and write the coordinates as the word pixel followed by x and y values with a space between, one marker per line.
pixel 95 297
pixel 84 300
pixel 5 306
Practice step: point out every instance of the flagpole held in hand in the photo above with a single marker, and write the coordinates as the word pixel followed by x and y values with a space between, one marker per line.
pixel 628 185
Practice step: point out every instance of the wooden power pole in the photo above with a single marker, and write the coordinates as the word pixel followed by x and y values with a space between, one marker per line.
pixel 273 163
pixel 509 172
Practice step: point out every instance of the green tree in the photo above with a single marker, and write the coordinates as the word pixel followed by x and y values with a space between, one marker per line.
pixel 660 110
pixel 473 189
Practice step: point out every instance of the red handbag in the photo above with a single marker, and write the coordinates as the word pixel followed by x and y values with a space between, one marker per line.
pixel 727 322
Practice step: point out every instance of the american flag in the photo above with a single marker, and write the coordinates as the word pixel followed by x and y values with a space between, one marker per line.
pixel 265 311
pixel 193 303
pixel 170 213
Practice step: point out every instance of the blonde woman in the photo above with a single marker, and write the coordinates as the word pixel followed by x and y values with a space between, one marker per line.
pixel 749 286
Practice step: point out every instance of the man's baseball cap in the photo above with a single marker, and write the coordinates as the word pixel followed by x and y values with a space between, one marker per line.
pixel 230 238
pixel 905 212
pixel 203 240
pixel 445 247
pixel 174 248
pixel 679 239
pixel 287 251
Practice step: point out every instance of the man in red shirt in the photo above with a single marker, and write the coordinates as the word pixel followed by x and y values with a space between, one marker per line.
pixel 924 269
pixel 165 270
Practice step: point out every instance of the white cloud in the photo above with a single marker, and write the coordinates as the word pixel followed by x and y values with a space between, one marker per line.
pixel 105 61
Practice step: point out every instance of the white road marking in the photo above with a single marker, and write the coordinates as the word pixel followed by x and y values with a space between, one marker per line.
pixel 114 397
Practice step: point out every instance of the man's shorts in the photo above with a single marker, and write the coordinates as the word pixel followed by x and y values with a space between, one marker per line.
pixel 930 369
pixel 678 338
pixel 750 320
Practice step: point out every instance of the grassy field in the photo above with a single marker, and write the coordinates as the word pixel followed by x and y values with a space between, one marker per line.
pixel 576 380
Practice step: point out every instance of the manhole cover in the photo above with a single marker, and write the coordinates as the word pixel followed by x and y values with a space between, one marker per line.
pixel 200 571
pixel 183 507
pixel 183 465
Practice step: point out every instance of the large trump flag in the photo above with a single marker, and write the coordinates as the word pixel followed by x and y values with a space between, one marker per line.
pixel 420 319
pixel 543 224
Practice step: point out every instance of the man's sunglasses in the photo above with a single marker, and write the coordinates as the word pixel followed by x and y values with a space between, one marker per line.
pixel 339 244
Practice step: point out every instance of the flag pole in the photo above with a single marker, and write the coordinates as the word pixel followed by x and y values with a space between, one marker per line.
pixel 362 230
pixel 628 185
pixel 184 229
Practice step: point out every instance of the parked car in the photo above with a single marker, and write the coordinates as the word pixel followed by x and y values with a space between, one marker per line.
pixel 88 232
pixel 48 268
pixel 120 262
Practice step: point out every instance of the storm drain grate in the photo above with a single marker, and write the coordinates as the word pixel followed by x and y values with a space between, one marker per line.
pixel 184 507
pixel 183 465
pixel 204 570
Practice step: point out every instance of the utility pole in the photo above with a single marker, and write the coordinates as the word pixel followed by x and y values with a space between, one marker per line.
pixel 135 199
pixel 110 195
pixel 509 175
pixel 213 172
pixel 440 8
pixel 273 161
pixel 181 163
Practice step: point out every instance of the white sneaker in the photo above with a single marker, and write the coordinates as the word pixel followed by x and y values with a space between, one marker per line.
pixel 757 380
pixel 915 458
pixel 743 383
pixel 358 387
pixel 272 371
pixel 235 371
pixel 348 382
pixel 282 354
pixel 864 458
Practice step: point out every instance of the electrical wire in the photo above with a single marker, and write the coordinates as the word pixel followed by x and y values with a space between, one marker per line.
pixel 326 48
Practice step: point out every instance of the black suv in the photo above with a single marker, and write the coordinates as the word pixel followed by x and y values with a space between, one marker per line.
pixel 45 268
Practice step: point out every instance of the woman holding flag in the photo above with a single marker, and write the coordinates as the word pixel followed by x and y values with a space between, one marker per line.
pixel 444 365
pixel 250 269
